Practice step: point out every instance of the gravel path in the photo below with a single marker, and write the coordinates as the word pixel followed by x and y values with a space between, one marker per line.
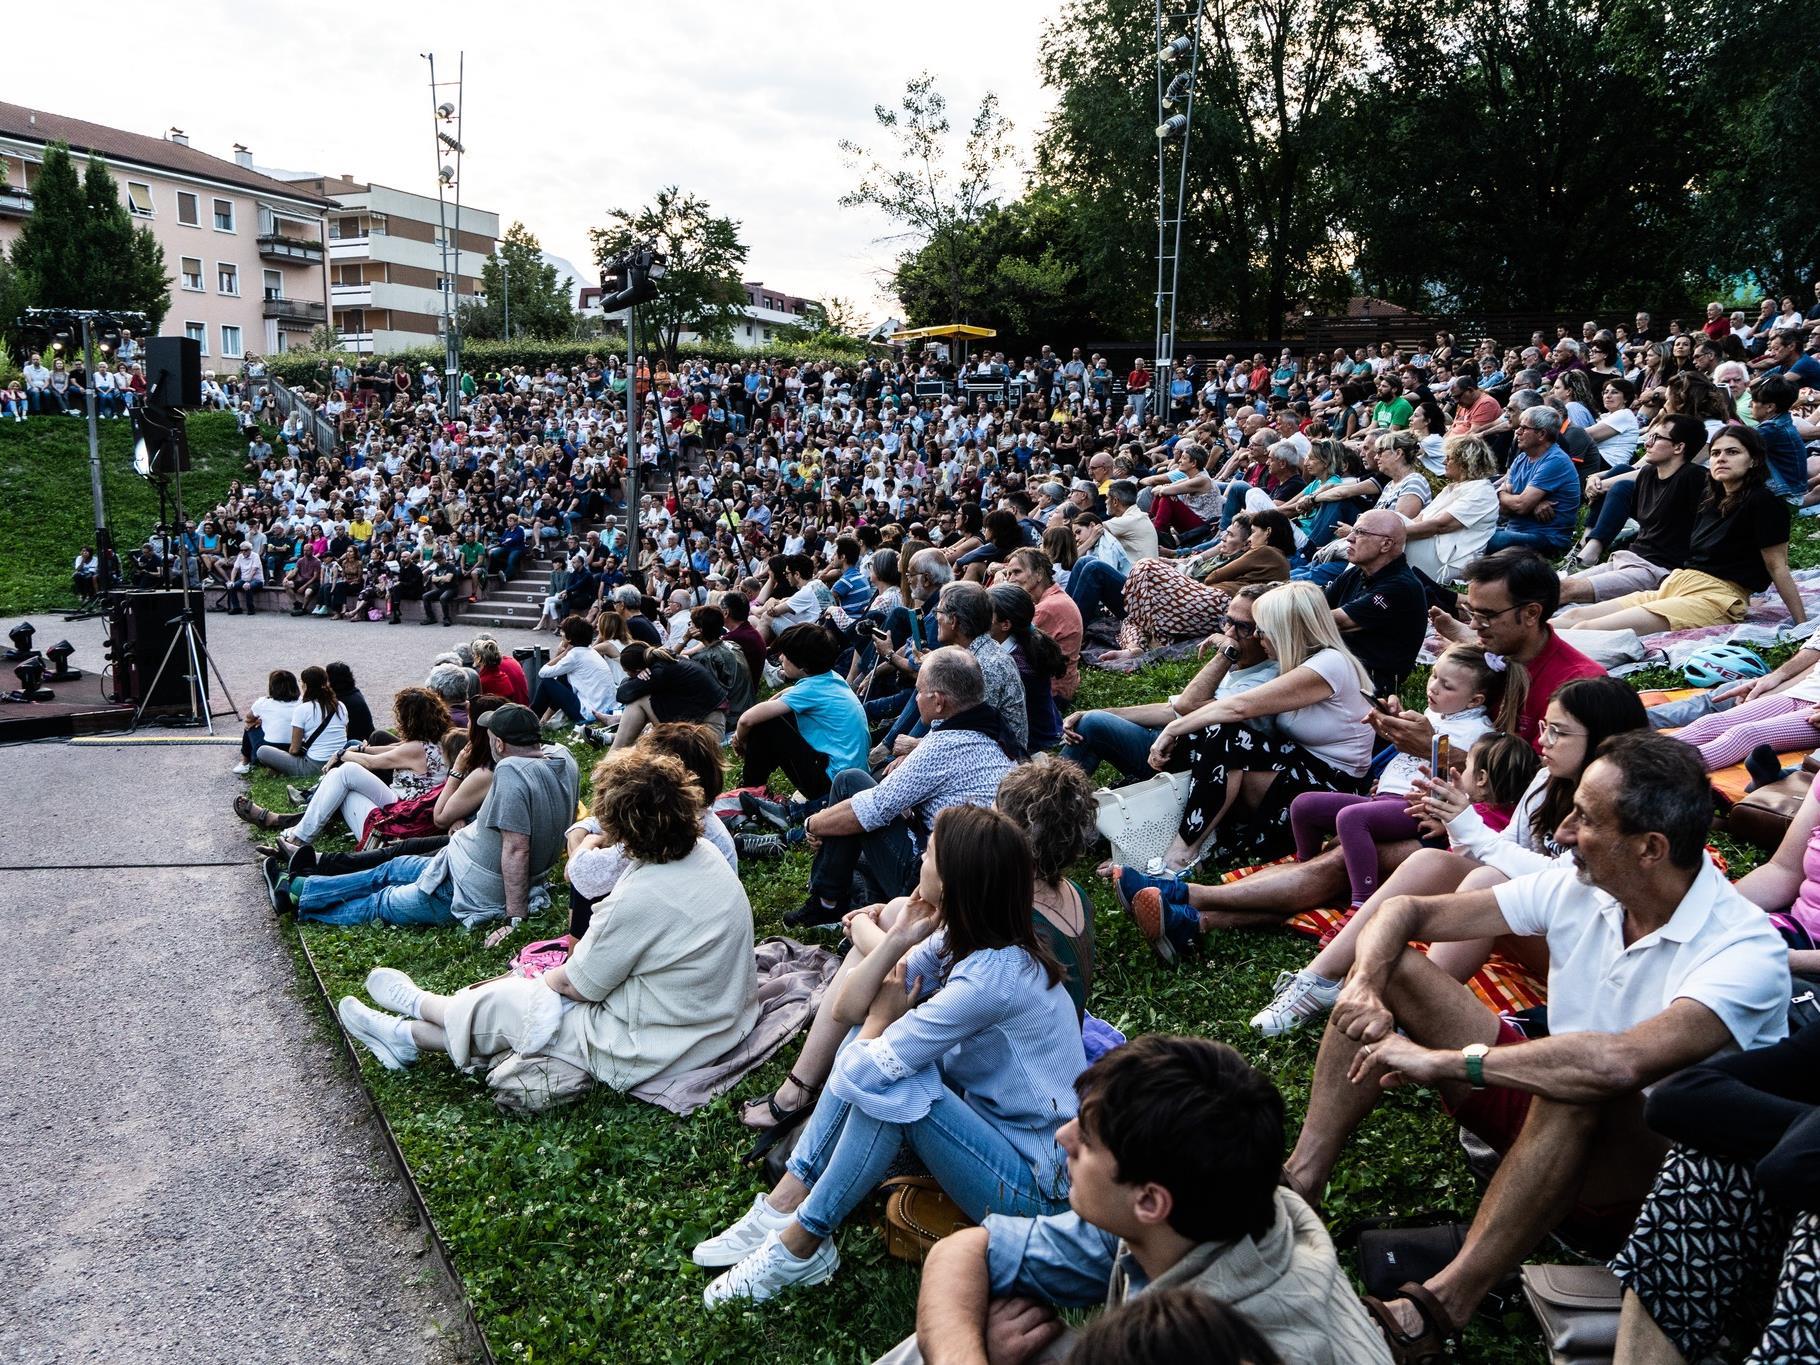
pixel 187 1171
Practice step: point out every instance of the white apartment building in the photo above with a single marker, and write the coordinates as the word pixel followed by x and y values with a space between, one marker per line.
pixel 765 311
pixel 385 261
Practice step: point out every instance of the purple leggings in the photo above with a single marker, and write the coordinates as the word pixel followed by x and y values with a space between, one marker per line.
pixel 1362 822
pixel 1726 737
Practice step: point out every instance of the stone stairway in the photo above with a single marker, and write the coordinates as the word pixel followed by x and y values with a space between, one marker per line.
pixel 515 604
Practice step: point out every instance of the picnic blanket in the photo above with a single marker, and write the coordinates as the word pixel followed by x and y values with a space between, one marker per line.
pixel 1505 986
pixel 791 979
pixel 1731 783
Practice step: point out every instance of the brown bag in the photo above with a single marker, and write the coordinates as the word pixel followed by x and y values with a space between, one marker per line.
pixel 1762 817
pixel 917 1216
pixel 1577 1308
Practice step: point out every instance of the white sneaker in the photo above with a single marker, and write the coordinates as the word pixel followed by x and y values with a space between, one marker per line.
pixel 1299 997
pixel 242 769
pixel 391 989
pixel 378 1032
pixel 770 1270
pixel 743 1238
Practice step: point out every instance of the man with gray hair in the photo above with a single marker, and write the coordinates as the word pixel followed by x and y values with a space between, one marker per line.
pixel 871 833
pixel 629 602
pixel 1539 495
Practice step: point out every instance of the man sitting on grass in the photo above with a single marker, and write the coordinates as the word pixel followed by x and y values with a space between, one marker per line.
pixel 489 868
pixel 1173 1166
pixel 1656 962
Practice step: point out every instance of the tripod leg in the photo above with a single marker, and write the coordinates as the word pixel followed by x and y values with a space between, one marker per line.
pixel 151 689
pixel 233 706
pixel 199 697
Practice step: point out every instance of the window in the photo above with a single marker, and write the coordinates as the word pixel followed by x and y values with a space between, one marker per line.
pixel 188 212
pixel 349 227
pixel 224 215
pixel 227 278
pixel 282 347
pixel 192 273
pixel 139 198
pixel 198 332
pixel 230 341
pixel 274 284
pixel 376 223
pixel 352 321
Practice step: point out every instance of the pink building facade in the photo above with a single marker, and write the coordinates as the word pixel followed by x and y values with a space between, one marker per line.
pixel 247 254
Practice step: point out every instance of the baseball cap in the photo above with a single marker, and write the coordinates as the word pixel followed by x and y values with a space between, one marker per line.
pixel 513 723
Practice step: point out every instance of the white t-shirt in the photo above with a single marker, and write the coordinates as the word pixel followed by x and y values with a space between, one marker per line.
pixel 1618 449
pixel 306 716
pixel 1717 948
pixel 275 719
pixel 803 606
pixel 1334 729
pixel 594 677
pixel 1474 504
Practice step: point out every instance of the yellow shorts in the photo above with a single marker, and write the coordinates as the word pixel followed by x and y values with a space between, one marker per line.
pixel 1689 598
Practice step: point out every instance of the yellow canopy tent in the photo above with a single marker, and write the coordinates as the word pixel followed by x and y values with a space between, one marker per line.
pixel 946 331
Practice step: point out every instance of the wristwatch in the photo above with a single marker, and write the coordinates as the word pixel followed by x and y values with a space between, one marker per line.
pixel 1474 1053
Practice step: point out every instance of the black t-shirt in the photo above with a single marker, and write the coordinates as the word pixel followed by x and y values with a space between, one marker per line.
pixel 360 716
pixel 1389 613
pixel 680 690
pixel 1665 510
pixel 1730 547
pixel 639 627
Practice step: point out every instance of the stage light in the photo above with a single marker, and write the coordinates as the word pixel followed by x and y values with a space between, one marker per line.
pixel 1175 126
pixel 1177 49
pixel 59 655
pixel 445 110
pixel 1178 89
pixel 21 636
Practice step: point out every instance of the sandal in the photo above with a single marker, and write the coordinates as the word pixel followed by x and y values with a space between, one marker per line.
pixel 254 814
pixel 1425 1348
pixel 780 1115
pixel 785 1121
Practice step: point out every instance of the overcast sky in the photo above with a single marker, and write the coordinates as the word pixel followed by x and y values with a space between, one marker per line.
pixel 567 113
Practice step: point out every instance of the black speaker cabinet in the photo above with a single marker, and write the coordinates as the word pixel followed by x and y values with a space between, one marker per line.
pixel 173 372
pixel 141 626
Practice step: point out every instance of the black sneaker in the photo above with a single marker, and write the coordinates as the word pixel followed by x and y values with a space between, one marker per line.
pixel 273 873
pixel 759 845
pixel 774 813
pixel 812 912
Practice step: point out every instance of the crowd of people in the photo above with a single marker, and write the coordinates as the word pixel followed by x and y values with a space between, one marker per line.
pixel 878 588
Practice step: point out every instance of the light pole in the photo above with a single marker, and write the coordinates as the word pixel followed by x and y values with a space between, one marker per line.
pixel 626 281
pixel 1174 86
pixel 444 112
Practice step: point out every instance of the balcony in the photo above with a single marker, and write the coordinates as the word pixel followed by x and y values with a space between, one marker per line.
pixel 276 246
pixel 15 201
pixel 351 295
pixel 301 312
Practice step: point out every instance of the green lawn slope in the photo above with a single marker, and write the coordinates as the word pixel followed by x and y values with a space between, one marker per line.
pixel 47 512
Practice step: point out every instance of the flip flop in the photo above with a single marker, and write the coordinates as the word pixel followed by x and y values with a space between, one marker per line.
pixel 1426 1347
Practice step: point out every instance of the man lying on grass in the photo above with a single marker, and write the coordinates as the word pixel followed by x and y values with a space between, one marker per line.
pixel 1656 962
pixel 1173 1166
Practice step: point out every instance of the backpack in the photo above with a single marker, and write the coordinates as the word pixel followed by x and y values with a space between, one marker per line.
pixel 412 818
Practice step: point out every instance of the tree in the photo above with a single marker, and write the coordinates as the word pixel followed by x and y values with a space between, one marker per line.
pixel 518 286
pixel 826 328
pixel 80 249
pixel 1260 212
pixel 1598 207
pixel 701 290
pixel 936 208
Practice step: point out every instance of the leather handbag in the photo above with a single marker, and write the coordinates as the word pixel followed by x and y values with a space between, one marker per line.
pixel 1762 817
pixel 918 1215
pixel 1140 820
pixel 1577 1307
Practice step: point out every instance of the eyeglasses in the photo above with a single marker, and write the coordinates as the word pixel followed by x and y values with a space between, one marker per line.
pixel 1485 618
pixel 1554 734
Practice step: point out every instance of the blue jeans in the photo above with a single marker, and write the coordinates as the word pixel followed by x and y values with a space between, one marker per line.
pixel 885 860
pixel 1614 511
pixel 1547 541
pixel 1106 738
pixel 380 895
pixel 1320 574
pixel 844 1153
pixel 1092 584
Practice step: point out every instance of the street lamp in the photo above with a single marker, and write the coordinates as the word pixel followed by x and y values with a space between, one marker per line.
pixel 448 176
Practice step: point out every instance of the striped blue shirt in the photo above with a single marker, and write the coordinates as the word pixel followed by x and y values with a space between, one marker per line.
pixel 946 768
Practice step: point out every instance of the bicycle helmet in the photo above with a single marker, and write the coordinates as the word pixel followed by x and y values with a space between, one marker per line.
pixel 1717 665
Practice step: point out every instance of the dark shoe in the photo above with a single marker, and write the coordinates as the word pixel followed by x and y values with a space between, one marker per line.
pixel 759 845
pixel 302 863
pixel 289 848
pixel 277 887
pixel 774 813
pixel 812 912
pixel 1764 765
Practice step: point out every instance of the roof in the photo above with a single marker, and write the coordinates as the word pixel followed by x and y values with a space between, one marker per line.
pixel 115 144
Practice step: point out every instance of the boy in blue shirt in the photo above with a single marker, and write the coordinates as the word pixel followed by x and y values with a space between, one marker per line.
pixel 811 730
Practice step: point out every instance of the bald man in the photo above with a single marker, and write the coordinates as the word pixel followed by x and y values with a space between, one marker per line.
pixel 1378 603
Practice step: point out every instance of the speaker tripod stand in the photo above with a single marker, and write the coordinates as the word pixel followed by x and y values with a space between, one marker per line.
pixel 195 651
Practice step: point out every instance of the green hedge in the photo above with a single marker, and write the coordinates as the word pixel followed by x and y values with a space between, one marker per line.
pixel 295 367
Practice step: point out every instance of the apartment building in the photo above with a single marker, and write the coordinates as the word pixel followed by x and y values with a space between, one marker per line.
pixel 386 261
pixel 766 309
pixel 246 252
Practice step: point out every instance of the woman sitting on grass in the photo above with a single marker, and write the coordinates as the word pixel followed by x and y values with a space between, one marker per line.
pixel 319 731
pixel 269 714
pixel 368 777
pixel 964 1045
pixel 662 982
pixel 1051 800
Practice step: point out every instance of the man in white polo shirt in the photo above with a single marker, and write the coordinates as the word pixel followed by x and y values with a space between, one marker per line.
pixel 1656 963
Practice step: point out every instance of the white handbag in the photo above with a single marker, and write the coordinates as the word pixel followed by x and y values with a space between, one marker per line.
pixel 1139 821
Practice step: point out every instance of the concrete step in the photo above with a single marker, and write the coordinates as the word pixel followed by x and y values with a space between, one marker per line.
pixel 498 615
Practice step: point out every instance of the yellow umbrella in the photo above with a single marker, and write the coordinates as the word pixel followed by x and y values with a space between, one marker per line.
pixel 956 330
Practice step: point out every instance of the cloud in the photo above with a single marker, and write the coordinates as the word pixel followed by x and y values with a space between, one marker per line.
pixel 575 109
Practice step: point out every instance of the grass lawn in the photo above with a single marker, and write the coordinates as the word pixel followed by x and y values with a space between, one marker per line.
pixel 47 512
pixel 572 1231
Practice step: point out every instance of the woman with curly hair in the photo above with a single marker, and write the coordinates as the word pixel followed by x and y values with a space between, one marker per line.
pixel 662 982
pixel 1051 800
pixel 368 777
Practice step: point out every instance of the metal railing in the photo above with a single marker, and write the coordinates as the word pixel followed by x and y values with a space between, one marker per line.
pixel 285 401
